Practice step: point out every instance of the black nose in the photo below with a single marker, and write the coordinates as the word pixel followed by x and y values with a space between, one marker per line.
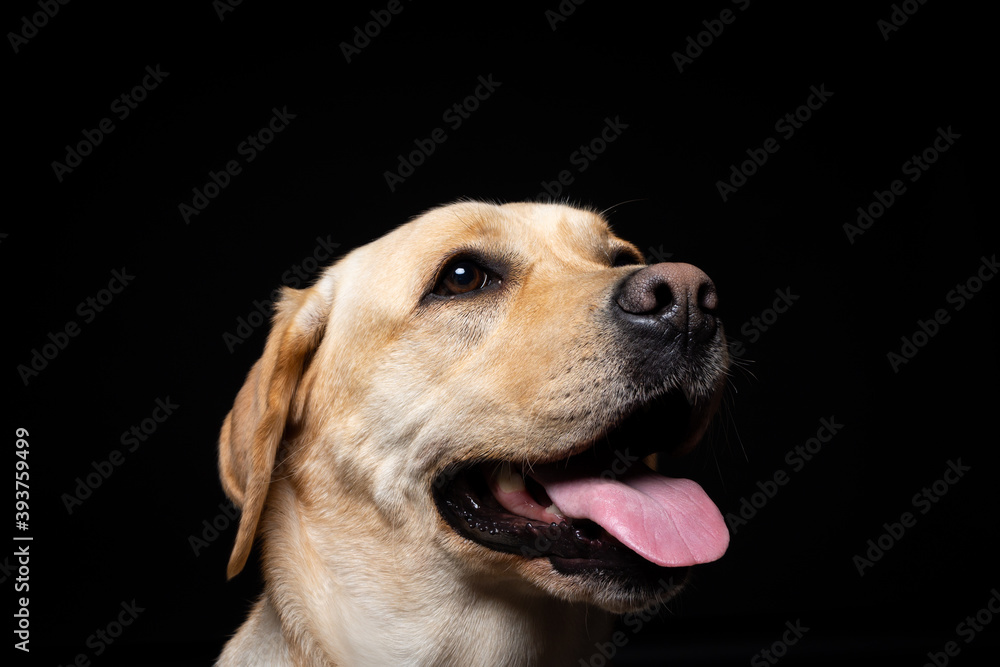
pixel 678 299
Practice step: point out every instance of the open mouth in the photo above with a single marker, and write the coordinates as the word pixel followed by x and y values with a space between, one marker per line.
pixel 599 508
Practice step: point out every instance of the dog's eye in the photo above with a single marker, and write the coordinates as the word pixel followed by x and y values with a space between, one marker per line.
pixel 461 277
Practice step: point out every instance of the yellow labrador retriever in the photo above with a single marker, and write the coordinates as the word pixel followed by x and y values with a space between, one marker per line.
pixel 442 447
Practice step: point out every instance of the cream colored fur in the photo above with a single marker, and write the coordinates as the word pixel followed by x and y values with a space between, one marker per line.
pixel 365 392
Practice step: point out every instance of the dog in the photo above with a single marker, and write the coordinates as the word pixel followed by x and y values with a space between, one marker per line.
pixel 444 449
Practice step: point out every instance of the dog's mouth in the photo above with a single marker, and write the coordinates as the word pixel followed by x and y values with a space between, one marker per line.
pixel 600 508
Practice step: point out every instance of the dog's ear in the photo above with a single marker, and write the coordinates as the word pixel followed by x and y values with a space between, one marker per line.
pixel 253 429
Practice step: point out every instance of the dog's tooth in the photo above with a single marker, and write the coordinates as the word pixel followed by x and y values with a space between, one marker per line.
pixel 508 480
pixel 552 509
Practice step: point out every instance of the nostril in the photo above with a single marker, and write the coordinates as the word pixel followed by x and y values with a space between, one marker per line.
pixel 663 297
pixel 708 299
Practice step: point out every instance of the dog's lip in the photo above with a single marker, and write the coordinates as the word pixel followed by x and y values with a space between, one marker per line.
pixel 688 421
pixel 466 501
pixel 473 512
pixel 669 521
pixel 678 426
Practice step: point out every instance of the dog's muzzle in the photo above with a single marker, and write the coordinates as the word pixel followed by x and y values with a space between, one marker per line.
pixel 587 508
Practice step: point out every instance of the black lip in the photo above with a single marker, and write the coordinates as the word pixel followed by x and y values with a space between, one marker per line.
pixel 581 548
pixel 465 502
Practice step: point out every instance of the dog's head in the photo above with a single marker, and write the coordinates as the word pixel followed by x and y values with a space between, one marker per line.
pixel 480 388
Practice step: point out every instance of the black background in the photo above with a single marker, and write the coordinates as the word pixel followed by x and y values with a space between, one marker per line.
pixel 323 177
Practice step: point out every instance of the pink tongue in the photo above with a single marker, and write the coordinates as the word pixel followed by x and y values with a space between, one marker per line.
pixel 671 522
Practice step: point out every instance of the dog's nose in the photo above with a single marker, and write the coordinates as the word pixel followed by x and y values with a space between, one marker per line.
pixel 678 296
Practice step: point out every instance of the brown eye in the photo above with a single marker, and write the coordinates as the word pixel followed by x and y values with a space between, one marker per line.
pixel 462 277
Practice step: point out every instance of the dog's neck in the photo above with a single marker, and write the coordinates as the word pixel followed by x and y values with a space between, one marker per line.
pixel 551 633
pixel 383 609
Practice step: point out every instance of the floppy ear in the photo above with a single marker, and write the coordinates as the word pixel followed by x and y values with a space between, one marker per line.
pixel 253 429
